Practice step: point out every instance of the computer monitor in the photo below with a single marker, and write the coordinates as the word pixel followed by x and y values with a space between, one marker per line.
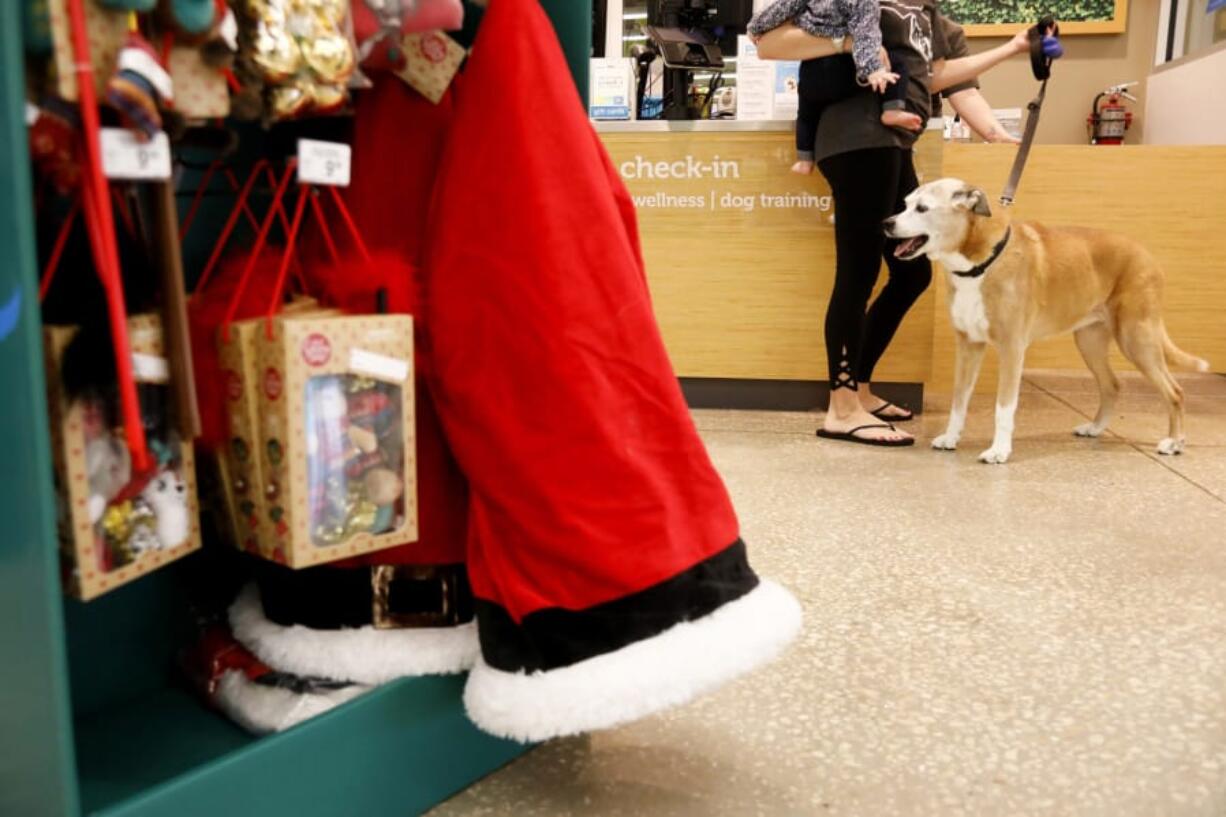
pixel 703 14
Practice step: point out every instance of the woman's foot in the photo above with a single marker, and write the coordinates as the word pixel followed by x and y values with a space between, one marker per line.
pixel 904 120
pixel 846 415
pixel 805 168
pixel 890 412
pixel 883 409
pixel 864 427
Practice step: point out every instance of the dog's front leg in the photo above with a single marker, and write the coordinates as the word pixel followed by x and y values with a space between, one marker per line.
pixel 968 357
pixel 1012 358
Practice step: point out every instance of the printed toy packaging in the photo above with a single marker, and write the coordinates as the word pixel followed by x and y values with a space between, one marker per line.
pixel 241 466
pixel 116 525
pixel 336 436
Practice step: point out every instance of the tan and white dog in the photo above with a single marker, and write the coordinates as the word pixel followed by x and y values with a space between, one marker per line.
pixel 1014 283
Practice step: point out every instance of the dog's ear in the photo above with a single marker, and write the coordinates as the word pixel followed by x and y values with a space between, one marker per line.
pixel 973 199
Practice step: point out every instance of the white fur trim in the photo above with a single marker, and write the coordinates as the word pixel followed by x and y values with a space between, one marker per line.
pixel 672 668
pixel 264 709
pixel 362 654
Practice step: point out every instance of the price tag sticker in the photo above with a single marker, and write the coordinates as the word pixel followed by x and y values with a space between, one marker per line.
pixel 126 157
pixel 324 162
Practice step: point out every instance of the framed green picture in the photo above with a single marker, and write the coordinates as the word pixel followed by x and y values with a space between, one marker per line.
pixel 1002 18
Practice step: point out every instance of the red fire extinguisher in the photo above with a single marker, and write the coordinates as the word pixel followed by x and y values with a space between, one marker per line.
pixel 1109 119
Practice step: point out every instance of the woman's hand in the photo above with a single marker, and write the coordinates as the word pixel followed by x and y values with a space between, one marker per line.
pixel 1021 42
pixel 1000 136
pixel 950 72
pixel 885 58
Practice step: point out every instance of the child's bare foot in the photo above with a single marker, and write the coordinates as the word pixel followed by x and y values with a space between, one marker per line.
pixel 902 119
pixel 805 168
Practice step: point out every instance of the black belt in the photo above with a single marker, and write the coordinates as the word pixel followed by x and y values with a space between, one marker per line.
pixel 382 596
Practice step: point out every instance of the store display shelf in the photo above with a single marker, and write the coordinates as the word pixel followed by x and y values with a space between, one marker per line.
pixel 395 751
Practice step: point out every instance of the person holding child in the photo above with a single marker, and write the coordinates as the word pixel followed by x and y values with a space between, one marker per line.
pixel 866 157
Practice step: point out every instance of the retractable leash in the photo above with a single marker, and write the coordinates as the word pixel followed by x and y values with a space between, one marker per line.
pixel 1044 49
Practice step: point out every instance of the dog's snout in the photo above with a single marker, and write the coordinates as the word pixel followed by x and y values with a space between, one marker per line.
pixel 888 224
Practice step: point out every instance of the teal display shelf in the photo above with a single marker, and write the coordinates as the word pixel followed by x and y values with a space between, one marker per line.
pixel 94 720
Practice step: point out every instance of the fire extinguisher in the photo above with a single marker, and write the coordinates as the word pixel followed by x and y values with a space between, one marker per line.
pixel 1109 119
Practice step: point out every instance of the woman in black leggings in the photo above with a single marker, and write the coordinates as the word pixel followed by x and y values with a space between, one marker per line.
pixel 870 171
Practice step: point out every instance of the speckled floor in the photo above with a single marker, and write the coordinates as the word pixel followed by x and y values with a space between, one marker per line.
pixel 1042 638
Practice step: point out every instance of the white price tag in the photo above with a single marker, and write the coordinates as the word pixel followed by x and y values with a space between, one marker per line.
pixel 323 162
pixel 126 157
pixel 380 367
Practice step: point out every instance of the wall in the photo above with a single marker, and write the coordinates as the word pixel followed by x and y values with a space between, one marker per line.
pixel 1187 102
pixel 1090 64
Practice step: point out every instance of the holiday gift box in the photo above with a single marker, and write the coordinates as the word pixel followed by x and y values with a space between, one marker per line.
pixel 336 435
pixel 114 524
pixel 241 467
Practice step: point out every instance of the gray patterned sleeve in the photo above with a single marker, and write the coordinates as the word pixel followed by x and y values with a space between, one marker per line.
pixel 776 14
pixel 864 24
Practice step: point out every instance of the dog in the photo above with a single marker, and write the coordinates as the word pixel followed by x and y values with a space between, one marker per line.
pixel 1014 283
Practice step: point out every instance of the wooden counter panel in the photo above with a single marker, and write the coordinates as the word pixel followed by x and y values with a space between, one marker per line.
pixel 742 293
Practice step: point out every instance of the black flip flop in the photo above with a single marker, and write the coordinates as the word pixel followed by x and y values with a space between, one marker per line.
pixel 850 436
pixel 880 415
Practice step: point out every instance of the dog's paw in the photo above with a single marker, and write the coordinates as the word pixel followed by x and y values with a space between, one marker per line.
pixel 996 455
pixel 946 442
pixel 1170 446
pixel 1088 430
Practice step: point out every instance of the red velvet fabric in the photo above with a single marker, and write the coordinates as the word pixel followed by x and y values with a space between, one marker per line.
pixel 398 137
pixel 588 481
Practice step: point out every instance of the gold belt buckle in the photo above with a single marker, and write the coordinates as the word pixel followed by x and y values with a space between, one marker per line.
pixel 384 618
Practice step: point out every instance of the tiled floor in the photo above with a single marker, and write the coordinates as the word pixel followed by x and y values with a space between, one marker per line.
pixel 1046 637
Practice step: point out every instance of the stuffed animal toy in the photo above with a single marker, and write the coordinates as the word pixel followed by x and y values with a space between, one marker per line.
pixel 109 467
pixel 167 496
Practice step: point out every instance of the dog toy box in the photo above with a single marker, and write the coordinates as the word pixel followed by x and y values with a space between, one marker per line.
pixel 114 524
pixel 335 405
pixel 241 467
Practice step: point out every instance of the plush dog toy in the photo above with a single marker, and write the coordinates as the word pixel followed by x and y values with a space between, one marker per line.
pixel 167 496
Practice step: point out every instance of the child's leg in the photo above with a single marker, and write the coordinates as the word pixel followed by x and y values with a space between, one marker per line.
pixel 896 94
pixel 829 79
pixel 807 115
pixel 894 111
pixel 822 81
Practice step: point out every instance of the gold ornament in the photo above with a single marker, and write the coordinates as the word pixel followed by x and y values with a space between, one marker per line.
pixel 329 98
pixel 288 101
pixel 277 55
pixel 361 518
pixel 329 57
pixel 115 523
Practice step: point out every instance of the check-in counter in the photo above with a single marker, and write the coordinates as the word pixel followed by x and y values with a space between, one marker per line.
pixel 740 251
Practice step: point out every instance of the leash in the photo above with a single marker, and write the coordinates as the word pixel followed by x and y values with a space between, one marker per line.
pixel 1044 48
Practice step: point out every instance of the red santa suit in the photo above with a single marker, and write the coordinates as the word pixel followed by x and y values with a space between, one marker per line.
pixel 603 551
pixel 605 558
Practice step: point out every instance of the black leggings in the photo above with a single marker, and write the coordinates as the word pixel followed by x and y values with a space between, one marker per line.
pixel 869 186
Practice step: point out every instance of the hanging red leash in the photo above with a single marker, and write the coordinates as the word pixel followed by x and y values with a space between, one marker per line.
pixel 96 200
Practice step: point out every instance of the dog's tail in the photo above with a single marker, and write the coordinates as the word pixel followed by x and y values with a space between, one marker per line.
pixel 1180 359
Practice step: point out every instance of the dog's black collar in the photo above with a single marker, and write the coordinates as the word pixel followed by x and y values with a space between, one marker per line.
pixel 980 269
